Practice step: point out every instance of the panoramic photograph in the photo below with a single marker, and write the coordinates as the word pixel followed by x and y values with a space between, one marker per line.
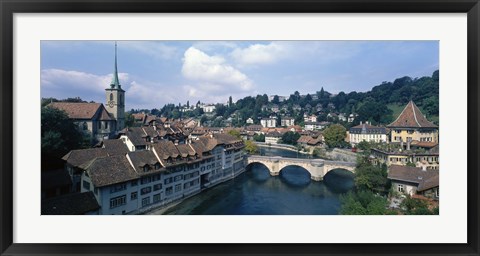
pixel 240 128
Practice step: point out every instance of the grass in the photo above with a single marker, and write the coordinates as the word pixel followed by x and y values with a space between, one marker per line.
pixel 397 109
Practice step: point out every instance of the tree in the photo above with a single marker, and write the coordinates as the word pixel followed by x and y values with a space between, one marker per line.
pixel 129 120
pixel 259 137
pixel 235 133
pixel 318 152
pixel 415 206
pixel 230 101
pixel 290 138
pixel 188 104
pixel 370 177
pixel 59 135
pixel 335 135
pixel 251 147
pixel 275 100
pixel 203 120
pixel 363 202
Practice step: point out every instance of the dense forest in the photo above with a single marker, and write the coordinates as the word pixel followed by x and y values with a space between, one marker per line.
pixel 379 105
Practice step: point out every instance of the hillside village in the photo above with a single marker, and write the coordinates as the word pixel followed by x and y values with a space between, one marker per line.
pixel 133 162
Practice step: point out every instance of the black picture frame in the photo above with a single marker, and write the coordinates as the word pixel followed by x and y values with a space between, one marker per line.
pixel 8 8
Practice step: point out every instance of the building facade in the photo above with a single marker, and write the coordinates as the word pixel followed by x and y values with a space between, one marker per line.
pixel 367 132
pixel 412 125
pixel 138 181
pixel 268 122
pixel 287 121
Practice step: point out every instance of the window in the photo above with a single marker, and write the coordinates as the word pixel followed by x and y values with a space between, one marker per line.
pixel 145 201
pixel 157 187
pixel 133 196
pixel 157 166
pixel 146 190
pixel 400 188
pixel 118 201
pixel 168 181
pixel 146 180
pixel 111 96
pixel 134 183
pixel 437 192
pixel 121 99
pixel 86 185
pixel 178 177
pixel 178 187
pixel 157 198
pixel 145 168
pixel 106 124
pixel 168 191
pixel 156 177
pixel 85 126
pixel 118 187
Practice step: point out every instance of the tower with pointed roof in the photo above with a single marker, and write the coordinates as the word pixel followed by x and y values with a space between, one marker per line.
pixel 115 98
pixel 411 125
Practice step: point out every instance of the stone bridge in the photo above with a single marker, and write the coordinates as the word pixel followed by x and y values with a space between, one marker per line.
pixel 317 168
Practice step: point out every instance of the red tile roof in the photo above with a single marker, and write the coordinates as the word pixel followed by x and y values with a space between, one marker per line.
pixel 76 110
pixel 412 117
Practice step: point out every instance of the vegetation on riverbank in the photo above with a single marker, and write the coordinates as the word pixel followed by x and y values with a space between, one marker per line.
pixel 373 190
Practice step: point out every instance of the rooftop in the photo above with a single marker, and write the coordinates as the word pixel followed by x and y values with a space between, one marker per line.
pixel 411 117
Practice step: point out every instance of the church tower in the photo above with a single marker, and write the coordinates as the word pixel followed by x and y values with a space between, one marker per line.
pixel 116 98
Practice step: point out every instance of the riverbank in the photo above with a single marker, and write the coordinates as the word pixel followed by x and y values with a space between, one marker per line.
pixel 282 146
pixel 165 207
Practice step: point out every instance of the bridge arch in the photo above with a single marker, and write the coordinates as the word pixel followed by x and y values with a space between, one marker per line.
pixel 295 176
pixel 316 167
pixel 251 164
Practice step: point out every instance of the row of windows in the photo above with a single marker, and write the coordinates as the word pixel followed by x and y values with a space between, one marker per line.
pixel 191 183
pixel 118 187
pixel 118 201
pixel 191 175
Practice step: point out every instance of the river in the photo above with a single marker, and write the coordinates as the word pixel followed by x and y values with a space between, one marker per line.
pixel 255 192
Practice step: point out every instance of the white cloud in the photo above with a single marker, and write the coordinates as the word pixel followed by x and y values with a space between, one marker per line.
pixel 70 80
pixel 212 74
pixel 63 84
pixel 259 54
pixel 151 48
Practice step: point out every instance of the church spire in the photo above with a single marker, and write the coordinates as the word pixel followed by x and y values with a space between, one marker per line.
pixel 115 82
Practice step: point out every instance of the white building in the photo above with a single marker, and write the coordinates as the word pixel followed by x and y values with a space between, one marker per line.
pixel 268 122
pixel 138 181
pixel 249 120
pixel 311 126
pixel 208 108
pixel 287 121
pixel 352 117
pixel 273 137
pixel 367 132
pixel 312 118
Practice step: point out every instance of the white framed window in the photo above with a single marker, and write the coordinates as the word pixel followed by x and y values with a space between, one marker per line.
pixel 133 196
pixel 118 201
pixel 145 201
pixel 400 188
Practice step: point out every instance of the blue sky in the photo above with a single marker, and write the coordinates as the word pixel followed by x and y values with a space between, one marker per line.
pixel 154 73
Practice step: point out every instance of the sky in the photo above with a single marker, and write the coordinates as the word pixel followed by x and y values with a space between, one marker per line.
pixel 155 73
